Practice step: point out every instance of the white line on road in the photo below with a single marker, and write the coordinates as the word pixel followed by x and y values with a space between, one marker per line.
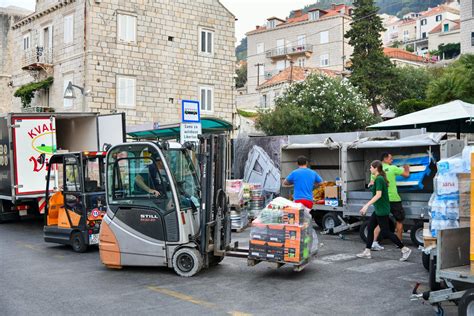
pixel 379 266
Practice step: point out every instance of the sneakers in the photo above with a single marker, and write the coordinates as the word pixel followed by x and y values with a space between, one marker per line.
pixel 365 254
pixel 376 246
pixel 405 253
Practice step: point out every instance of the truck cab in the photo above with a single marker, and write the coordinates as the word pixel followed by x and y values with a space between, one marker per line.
pixel 75 205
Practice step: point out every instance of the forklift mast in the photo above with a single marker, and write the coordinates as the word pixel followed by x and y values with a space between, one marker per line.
pixel 215 228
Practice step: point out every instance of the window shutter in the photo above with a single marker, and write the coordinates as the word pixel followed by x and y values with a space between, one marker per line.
pixel 209 42
pixel 203 99
pixel 203 41
pixel 209 100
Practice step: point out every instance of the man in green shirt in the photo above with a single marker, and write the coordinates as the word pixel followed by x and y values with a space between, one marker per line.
pixel 396 207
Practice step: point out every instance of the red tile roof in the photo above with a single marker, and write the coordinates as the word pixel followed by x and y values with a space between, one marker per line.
pixel 297 74
pixel 438 10
pixel 401 54
pixel 333 11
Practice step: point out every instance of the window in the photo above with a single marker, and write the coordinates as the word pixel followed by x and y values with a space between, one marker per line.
pixel 71 170
pixel 271 24
pixel 324 60
pixel 68 29
pixel 260 48
pixel 324 37
pixel 261 70
pixel 207 98
pixel 439 17
pixel 281 65
pixel 206 42
pixel 423 35
pixel 280 46
pixel 423 22
pixel 301 40
pixel 26 41
pixel 472 38
pixel 301 61
pixel 68 103
pixel 126 91
pixel 314 15
pixel 263 103
pixel 446 27
pixel 126 28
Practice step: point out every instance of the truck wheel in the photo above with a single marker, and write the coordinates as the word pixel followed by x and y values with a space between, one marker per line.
pixel 187 262
pixel 330 220
pixel 77 242
pixel 416 234
pixel 466 303
pixel 425 258
pixel 363 231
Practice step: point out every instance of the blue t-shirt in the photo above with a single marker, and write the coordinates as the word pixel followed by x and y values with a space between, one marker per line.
pixel 304 179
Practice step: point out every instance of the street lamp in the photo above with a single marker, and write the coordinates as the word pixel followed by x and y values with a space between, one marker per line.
pixel 70 94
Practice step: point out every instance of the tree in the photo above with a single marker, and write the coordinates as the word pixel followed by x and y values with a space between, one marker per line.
pixel 371 69
pixel 241 50
pixel 318 104
pixel 455 82
pixel 241 73
pixel 406 83
pixel 411 105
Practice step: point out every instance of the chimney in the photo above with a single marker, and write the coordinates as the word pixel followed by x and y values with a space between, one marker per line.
pixel 333 6
pixel 297 13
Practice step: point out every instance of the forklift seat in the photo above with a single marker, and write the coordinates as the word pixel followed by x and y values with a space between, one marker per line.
pixel 56 201
pixel 91 185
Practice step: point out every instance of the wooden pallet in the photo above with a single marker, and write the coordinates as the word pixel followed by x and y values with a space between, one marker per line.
pixel 297 267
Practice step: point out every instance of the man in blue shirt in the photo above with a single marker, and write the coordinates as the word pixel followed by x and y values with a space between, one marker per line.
pixel 304 181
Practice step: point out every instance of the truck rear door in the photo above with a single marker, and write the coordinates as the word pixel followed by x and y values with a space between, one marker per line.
pixel 110 129
pixel 32 136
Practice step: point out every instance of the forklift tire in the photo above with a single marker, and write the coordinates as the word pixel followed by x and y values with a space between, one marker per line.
pixel 330 220
pixel 425 258
pixel 187 262
pixel 466 303
pixel 77 242
pixel 416 234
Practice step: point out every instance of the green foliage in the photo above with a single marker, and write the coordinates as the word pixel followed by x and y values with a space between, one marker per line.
pixel 247 114
pixel 371 69
pixel 241 50
pixel 27 91
pixel 407 83
pixel 449 51
pixel 241 79
pixel 411 105
pixel 455 82
pixel 319 104
pixel 410 48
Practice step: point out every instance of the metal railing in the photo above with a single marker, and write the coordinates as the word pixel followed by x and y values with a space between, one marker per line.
pixel 38 55
pixel 289 50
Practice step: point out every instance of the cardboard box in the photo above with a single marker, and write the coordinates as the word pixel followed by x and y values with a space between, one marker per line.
pixel 464 204
pixel 276 233
pixel 257 249
pixel 259 232
pixel 464 180
pixel 275 251
pixel 331 192
pixel 297 251
pixel 429 241
pixel 293 234
pixel 293 216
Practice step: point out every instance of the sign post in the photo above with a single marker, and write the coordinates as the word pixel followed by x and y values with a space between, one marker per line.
pixel 190 121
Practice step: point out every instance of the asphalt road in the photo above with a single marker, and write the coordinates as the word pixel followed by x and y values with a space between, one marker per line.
pixel 42 278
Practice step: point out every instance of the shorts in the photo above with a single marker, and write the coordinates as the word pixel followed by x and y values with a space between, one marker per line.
pixel 306 203
pixel 396 208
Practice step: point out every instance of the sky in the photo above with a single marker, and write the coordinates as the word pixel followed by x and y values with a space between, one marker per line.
pixel 249 13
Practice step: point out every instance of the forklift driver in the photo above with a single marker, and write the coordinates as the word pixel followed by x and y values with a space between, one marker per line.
pixel 150 180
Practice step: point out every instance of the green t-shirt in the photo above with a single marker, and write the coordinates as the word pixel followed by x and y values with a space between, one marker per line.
pixel 382 205
pixel 392 173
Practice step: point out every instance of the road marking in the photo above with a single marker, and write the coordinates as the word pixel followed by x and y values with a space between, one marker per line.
pixel 339 257
pixel 191 299
pixel 380 266
pixel 182 296
pixel 321 262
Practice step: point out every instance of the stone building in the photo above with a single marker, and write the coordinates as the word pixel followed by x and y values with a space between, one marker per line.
pixel 313 39
pixel 447 32
pixel 137 57
pixel 467 27
pixel 8 16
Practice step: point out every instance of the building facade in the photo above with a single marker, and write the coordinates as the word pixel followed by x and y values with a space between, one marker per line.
pixel 467 27
pixel 8 17
pixel 314 39
pixel 447 32
pixel 137 57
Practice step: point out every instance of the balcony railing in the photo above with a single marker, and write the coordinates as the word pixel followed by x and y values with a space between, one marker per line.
pixel 37 57
pixel 289 50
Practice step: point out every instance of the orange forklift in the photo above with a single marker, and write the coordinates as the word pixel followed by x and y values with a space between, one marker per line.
pixel 75 199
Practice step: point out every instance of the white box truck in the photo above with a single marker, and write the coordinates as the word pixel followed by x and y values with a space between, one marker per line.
pixel 26 138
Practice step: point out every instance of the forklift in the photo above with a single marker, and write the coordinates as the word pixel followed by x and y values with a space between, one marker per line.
pixel 76 204
pixel 162 210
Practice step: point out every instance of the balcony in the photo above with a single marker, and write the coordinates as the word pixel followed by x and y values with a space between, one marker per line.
pixel 38 58
pixel 290 51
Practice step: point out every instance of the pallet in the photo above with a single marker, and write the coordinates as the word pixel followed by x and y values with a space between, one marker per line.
pixel 297 267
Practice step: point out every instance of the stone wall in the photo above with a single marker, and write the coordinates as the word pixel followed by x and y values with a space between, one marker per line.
pixel 467 26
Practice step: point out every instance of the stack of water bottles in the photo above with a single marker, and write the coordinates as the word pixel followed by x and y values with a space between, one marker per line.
pixel 449 185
